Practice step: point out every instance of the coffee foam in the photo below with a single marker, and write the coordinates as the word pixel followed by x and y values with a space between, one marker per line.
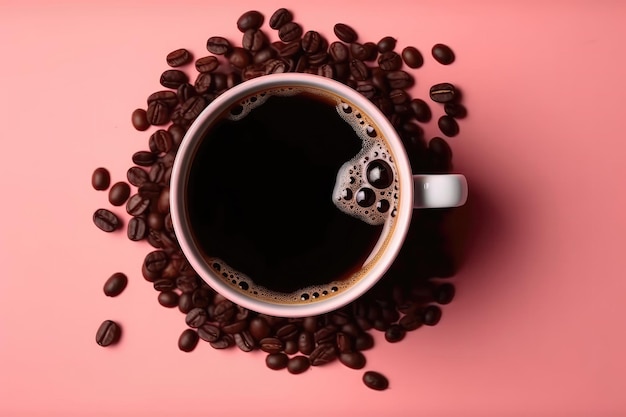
pixel 351 176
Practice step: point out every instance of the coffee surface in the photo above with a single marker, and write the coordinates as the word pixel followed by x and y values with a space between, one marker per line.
pixel 260 197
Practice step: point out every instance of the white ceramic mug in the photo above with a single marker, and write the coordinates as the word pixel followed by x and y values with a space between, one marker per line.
pixel 414 192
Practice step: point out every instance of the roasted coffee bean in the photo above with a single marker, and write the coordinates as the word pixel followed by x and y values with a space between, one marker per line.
pixel 224 311
pixel 136 176
pixel 250 20
pixel 207 64
pixel 156 261
pixel 366 89
pixel 173 78
pixel 390 61
pixel 208 332
pixel 364 341
pixel 399 79
pixel 412 57
pixel 160 142
pixel 235 327
pixel 431 315
pixel 168 299
pixel 240 58
pixel 144 158
pixel 375 381
pixel 188 340
pixel 358 51
pixel 193 107
pixel 275 66
pixel 100 179
pixel 288 50
pixel 164 284
pixel 276 361
pixel 244 341
pixel 395 333
pixel 185 91
pixel 139 119
pixel 318 58
pixel 201 297
pixel 253 71
pixel 345 343
pixel 178 58
pixel 253 40
pixel 106 220
pixel 298 364
pixel 196 317
pixel 410 321
pixel 311 42
pixel 271 345
pixel 325 334
pixel 448 126
pixel 187 283
pixel 323 354
pixel 149 190
pixel 166 97
pixel 443 54
pixel 371 51
pixel 136 229
pixel 290 32
pixel 115 284
pixel 287 332
pixel 420 110
pixel 345 33
pixel 381 325
pixel 339 52
pixel 203 83
pixel 398 96
pixel 259 328
pixel 351 329
pixel 218 45
pixel 444 293
pixel 264 55
pixel 279 18
pixel 354 360
pixel 310 324
pixel 359 70
pixel 340 317
pixel 386 44
pixel 326 70
pixel 306 343
pixel 411 128
pixel 224 342
pixel 108 333
pixel 456 110
pixel 442 156
pixel 119 193
pixel 364 323
pixel 442 93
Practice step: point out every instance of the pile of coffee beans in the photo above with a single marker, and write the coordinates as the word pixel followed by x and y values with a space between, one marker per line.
pixel 409 295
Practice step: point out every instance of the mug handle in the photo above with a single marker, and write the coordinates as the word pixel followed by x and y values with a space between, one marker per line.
pixel 439 191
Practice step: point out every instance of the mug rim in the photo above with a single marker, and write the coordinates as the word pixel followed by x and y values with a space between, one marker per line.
pixel 184 158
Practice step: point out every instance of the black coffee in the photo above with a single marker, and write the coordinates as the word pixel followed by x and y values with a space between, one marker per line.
pixel 276 201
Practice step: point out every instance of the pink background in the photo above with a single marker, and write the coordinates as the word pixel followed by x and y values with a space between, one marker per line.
pixel 537 327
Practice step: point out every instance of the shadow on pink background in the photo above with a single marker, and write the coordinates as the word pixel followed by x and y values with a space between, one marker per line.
pixel 537 328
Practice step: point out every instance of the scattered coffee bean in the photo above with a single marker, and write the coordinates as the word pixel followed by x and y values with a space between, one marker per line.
pixel 250 20
pixel 375 381
pixel 144 158
pixel 100 179
pixel 203 84
pixel 136 176
pixel 298 364
pixel 224 342
pixel 442 93
pixel 140 119
pixel 339 52
pixel 448 126
pixel 218 45
pixel 115 284
pixel 395 333
pixel 160 142
pixel 137 229
pixel 280 18
pixel 168 299
pixel 253 40
pixel 358 51
pixel 390 61
pixel 106 220
pixel 386 44
pixel 444 293
pixel 166 97
pixel 443 54
pixel 456 110
pixel 412 57
pixel 431 315
pixel 244 341
pixel 196 317
pixel 354 360
pixel 271 345
pixel 119 193
pixel 371 51
pixel 311 42
pixel 345 33
pixel 323 354
pixel 240 58
pixel 420 109
pixel 359 70
pixel 399 79
pixel 290 32
pixel 108 333
pixel 410 321
pixel 178 58
pixel 207 64
pixel 173 78
pixel 137 205
pixel 276 361
pixel 364 341
pixel 188 340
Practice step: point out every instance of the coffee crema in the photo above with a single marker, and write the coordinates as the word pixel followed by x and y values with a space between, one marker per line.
pixel 292 195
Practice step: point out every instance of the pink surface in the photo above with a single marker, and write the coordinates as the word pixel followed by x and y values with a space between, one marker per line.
pixel 537 327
